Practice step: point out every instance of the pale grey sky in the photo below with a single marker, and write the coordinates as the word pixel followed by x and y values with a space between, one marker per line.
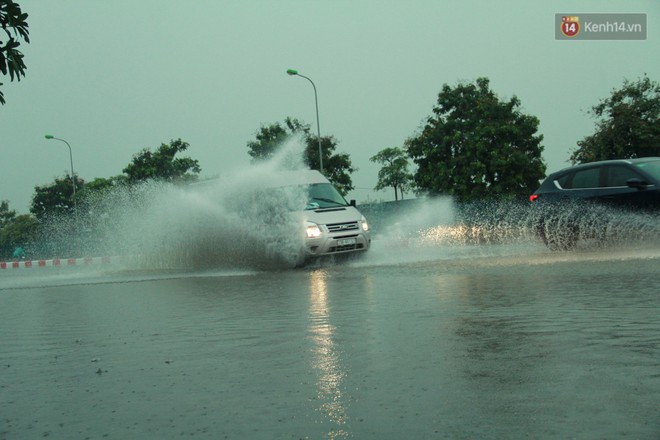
pixel 115 77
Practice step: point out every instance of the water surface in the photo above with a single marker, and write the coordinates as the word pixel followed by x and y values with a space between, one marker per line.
pixel 499 341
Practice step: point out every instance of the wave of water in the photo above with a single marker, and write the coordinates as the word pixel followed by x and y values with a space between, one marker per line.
pixel 226 224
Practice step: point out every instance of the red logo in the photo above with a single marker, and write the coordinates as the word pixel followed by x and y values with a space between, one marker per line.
pixel 570 25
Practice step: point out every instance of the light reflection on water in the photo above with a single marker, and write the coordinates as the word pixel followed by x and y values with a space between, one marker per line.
pixel 485 347
pixel 326 357
pixel 433 334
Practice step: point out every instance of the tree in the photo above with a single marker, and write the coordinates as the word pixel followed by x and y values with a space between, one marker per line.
pixel 476 146
pixel 336 167
pixel 20 231
pixel 628 124
pixel 13 22
pixel 100 185
pixel 6 216
pixel 55 198
pixel 269 138
pixel 161 165
pixel 394 172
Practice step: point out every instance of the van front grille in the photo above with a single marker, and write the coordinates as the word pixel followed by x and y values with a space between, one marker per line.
pixel 342 227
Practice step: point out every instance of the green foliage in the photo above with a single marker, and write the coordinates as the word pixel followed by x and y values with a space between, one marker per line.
pixel 161 165
pixel 476 146
pixel 394 172
pixel 269 137
pixel 55 198
pixel 19 232
pixel 336 167
pixel 13 23
pixel 6 216
pixel 628 124
pixel 100 185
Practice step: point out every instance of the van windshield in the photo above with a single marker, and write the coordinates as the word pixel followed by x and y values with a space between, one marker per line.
pixel 324 195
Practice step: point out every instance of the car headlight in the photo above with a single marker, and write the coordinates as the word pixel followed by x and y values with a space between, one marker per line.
pixel 365 225
pixel 312 230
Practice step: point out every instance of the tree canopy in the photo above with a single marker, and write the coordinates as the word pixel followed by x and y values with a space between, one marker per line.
pixel 161 164
pixel 55 198
pixel 6 215
pixel 394 172
pixel 15 230
pixel 476 146
pixel 337 167
pixel 628 124
pixel 269 138
pixel 20 232
pixel 13 23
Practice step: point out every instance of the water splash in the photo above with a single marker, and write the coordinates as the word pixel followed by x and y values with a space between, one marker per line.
pixel 225 222
pixel 231 223
pixel 440 229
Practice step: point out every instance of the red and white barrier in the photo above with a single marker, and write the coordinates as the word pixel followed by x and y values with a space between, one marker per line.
pixel 86 261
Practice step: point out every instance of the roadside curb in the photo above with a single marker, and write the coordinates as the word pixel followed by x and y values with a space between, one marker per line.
pixel 55 262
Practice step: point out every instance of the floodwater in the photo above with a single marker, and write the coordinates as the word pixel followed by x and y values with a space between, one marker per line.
pixel 443 330
pixel 494 341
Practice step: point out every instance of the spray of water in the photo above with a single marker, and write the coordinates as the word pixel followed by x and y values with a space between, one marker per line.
pixel 227 222
pixel 233 222
pixel 441 229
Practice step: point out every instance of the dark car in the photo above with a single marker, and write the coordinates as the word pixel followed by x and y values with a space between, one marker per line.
pixel 580 201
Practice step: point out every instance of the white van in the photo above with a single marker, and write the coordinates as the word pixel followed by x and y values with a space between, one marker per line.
pixel 295 215
pixel 332 226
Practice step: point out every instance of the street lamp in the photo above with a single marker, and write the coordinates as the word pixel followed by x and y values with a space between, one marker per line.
pixel 294 72
pixel 73 181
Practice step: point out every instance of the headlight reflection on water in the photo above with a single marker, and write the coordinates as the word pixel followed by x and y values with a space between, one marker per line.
pixel 326 357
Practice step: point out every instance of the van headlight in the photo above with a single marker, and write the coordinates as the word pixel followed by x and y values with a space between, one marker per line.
pixel 312 230
pixel 365 225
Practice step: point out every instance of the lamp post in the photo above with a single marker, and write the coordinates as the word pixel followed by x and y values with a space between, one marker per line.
pixel 294 72
pixel 73 181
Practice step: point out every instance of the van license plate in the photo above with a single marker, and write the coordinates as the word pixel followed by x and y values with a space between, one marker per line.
pixel 346 241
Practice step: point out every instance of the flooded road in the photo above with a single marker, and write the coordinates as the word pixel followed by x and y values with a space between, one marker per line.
pixel 472 341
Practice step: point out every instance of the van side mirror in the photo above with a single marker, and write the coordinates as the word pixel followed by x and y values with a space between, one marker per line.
pixel 352 202
pixel 636 183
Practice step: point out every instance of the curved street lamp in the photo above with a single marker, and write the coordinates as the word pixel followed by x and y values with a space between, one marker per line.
pixel 294 72
pixel 73 181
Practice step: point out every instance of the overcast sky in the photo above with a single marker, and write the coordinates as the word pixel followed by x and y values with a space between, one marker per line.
pixel 115 77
